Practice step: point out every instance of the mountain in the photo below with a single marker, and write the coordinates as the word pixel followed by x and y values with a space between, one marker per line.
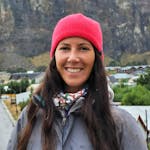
pixel 26 27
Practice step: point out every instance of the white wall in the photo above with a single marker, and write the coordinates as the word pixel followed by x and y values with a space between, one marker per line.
pixel 22 97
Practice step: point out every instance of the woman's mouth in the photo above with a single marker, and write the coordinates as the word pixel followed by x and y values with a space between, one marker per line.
pixel 73 70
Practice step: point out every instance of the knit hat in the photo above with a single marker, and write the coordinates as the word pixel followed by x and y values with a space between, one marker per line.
pixel 77 25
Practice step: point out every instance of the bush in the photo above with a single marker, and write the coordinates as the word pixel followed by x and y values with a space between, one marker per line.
pixel 2 89
pixel 138 95
pixel 15 87
pixel 120 91
pixel 144 80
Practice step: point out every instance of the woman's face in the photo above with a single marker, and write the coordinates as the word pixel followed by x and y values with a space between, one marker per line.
pixel 74 61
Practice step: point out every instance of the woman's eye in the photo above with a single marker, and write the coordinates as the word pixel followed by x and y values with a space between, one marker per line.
pixel 84 48
pixel 64 48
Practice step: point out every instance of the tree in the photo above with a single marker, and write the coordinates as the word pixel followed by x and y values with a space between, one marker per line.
pixel 1 89
pixel 24 84
pixel 144 80
pixel 15 87
pixel 138 95
pixel 120 91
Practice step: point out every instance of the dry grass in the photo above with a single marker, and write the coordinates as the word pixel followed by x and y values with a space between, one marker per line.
pixel 127 57
pixel 41 60
pixel 107 60
pixel 13 108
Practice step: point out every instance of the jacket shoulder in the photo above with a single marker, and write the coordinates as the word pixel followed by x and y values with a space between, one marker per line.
pixel 21 122
pixel 129 132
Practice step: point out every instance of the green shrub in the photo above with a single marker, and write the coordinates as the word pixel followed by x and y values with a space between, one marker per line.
pixel 15 87
pixel 119 92
pixel 144 80
pixel 138 95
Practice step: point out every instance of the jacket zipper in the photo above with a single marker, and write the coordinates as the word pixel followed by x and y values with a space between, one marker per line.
pixel 64 121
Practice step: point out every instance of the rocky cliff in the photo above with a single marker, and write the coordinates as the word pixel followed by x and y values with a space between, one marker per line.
pixel 26 27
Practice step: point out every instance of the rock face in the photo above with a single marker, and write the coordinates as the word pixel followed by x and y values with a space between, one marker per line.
pixel 26 26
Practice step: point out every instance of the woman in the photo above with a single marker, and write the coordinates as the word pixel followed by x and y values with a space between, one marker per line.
pixel 71 109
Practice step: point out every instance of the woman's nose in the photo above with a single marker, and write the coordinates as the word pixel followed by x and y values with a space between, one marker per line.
pixel 73 56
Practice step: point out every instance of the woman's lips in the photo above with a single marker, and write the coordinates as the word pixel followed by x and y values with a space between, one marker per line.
pixel 73 70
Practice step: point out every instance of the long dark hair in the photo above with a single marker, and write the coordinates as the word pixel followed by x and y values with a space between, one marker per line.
pixel 95 112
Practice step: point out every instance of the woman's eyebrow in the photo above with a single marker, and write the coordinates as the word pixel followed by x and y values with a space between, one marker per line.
pixel 88 44
pixel 80 44
pixel 84 44
pixel 65 44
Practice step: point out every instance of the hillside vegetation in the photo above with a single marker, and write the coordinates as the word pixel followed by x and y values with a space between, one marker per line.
pixel 128 58
pixel 26 27
pixel 41 60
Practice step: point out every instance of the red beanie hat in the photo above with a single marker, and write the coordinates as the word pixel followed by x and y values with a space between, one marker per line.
pixel 77 25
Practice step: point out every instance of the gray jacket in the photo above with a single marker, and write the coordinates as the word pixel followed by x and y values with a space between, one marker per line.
pixel 73 135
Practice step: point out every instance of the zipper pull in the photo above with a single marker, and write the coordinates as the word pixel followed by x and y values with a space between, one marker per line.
pixel 64 121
